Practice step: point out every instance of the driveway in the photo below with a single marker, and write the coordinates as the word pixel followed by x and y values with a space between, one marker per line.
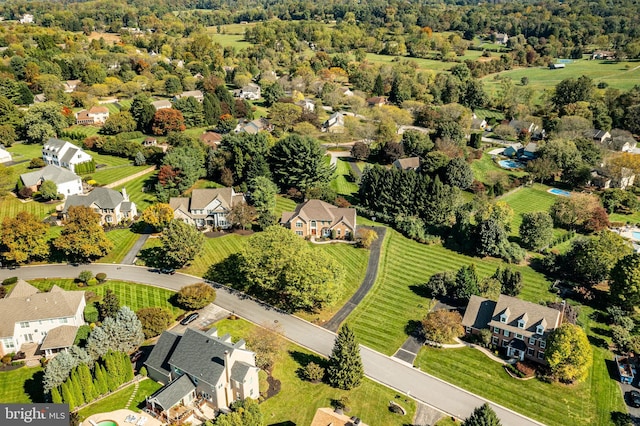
pixel 393 373
pixel 635 412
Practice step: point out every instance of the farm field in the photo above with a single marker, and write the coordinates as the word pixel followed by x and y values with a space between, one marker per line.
pixel 395 299
pixel 133 295
pixel 369 401
pixel 619 75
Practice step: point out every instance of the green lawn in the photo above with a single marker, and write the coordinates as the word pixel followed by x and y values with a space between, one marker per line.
pixel 486 114
pixel 133 295
pixel 22 154
pixel 137 193
pixel 10 206
pixel 118 400
pixel 85 130
pixel 108 160
pixel 380 319
pixel 106 175
pixel 21 386
pixel 483 167
pixel 284 205
pixel 625 218
pixel 123 240
pixel 526 200
pixel 341 182
pixel 369 401
pixel 214 251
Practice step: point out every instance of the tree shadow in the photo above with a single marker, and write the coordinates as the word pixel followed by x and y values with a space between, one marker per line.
pixel 152 257
pixel 303 359
pixel 227 271
pixel 420 290
pixel 413 328
pixel 612 368
pixel 33 387
pixel 285 423
pixel 601 331
pixel 598 341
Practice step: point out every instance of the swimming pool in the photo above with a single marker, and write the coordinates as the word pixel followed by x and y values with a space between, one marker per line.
pixel 636 235
pixel 560 192
pixel 107 423
pixel 510 164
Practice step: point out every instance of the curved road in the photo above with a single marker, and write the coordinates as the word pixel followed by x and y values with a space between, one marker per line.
pixel 381 368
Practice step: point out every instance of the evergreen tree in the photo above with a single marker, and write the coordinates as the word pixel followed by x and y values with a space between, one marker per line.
pixel 111 367
pixel 130 329
pixel 67 396
pixel 466 283
pixel 345 364
pixel 378 86
pixel 76 387
pixel 211 109
pixel 55 396
pixel 100 382
pixel 57 370
pixel 86 382
pixel 482 416
pixel 109 306
pixel 97 343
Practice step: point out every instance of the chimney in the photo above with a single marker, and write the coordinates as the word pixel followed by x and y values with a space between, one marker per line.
pixel 124 194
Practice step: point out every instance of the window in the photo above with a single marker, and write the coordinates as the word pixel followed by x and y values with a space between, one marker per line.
pixel 494 340
pixel 24 324
pixel 503 318
pixel 63 320
pixel 520 323
pixel 532 341
pixel 543 344
pixel 496 330
pixel 530 352
pixel 467 330
pixel 313 223
pixel 540 329
pixel 299 233
pixel 518 336
pixel 505 343
pixel 506 333
pixel 339 232
pixel 298 224
pixel 540 354
pixel 9 344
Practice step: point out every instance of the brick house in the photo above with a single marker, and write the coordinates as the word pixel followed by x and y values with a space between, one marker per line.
pixel 316 218
pixel 522 328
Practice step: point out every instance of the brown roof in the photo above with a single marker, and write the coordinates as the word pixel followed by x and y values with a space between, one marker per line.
pixel 211 138
pixel 201 198
pixel 410 163
pixel 98 110
pixel 319 210
pixel 532 313
pixel 25 305
pixel 377 100
pixel 327 417
pixel 60 337
pixel 22 289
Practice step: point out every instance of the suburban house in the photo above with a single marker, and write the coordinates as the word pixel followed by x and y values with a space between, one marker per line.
pixel 29 318
pixel 316 218
pixel 70 85
pixel 307 105
pixel 5 156
pixel 94 115
pixel 162 104
pixel 521 126
pixel 604 178
pixel 68 183
pixel 522 328
pixel 598 135
pixel 39 98
pixel 329 417
pixel 206 207
pixel 620 140
pixel 409 163
pixel 501 38
pixel 254 126
pixel 513 150
pixel 377 101
pixel 211 139
pixel 251 91
pixel 199 370
pixel 556 66
pixel 529 152
pixel 603 54
pixel 112 206
pixel 334 124
pixel 478 124
pixel 64 154
pixel 191 93
pixel 345 91
pixel 151 142
pixel 27 18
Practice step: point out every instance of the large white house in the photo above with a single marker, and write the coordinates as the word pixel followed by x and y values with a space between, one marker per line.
pixel 206 207
pixel 68 183
pixel 50 320
pixel 94 115
pixel 64 154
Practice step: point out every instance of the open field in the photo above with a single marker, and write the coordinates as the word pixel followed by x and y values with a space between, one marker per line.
pixel 620 75
pixel 369 401
pixel 284 205
pixel 214 251
pixel 123 240
pixel 85 130
pixel 133 295
pixel 396 299
pixel 136 191
pixel 341 182
pixel 526 200
pixel 10 206
pixel 484 167
pixel 106 175
pixel 118 400
pixel 626 218
pixel 21 386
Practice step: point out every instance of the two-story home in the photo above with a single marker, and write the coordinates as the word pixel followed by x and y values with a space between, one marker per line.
pixel 112 206
pixel 67 182
pixel 206 207
pixel 251 92
pixel 254 126
pixel 64 154
pixel 199 368
pixel 162 104
pixel 334 124
pixel 522 328
pixel 315 218
pixel 94 115
pixel 197 94
pixel 51 320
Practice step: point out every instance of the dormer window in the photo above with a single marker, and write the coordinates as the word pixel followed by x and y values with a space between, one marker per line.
pixel 520 323
pixel 503 318
pixel 540 329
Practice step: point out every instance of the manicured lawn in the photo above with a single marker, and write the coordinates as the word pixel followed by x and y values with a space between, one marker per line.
pixel 21 386
pixel 138 194
pixel 284 205
pixel 487 114
pixel 380 319
pixel 106 175
pixel 482 168
pixel 133 295
pixel 10 206
pixel 203 184
pixel 22 154
pixel 108 160
pixel 625 218
pixel 526 200
pixel 123 240
pixel 85 130
pixel 214 251
pixel 369 401
pixel 341 182
pixel 118 400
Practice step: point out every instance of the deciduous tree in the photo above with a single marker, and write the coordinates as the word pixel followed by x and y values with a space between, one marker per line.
pixel 569 353
pixel 536 230
pixel 242 215
pixel 195 296
pixel 625 282
pixel 154 320
pixel 24 238
pixel 82 237
pixel 442 326
pixel 158 216
pixel 180 244
pixel 48 190
pixel 167 120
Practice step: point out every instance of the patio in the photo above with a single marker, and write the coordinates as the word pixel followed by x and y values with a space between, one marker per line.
pixel 121 418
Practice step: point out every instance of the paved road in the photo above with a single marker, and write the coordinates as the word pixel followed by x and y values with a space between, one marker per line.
pixel 381 368
pixel 368 281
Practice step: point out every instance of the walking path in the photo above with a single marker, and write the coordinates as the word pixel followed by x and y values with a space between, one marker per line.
pixel 133 394
pixel 130 178
pixel 367 283
pixel 395 374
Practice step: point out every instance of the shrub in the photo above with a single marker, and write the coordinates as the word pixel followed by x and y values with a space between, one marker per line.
pixel 6 360
pixel 143 371
pixel 313 372
pixel 101 277
pixel 10 281
pixel 195 296
pixel 90 313
pixel 154 321
pixel 365 237
pixel 36 163
pixel 525 369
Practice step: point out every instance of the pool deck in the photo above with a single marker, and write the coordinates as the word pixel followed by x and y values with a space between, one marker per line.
pixel 559 192
pixel 627 232
pixel 119 416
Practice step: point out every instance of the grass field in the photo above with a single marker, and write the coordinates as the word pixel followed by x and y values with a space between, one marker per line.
pixel 118 400
pixel 85 130
pixel 526 200
pixel 620 75
pixel 136 191
pixel 486 114
pixel 341 182
pixel 626 218
pixel 214 251
pixel 123 240
pixel 380 319
pixel 20 387
pixel 284 205
pixel 133 295
pixel 484 167
pixel 369 401
pixel 106 175
pixel 10 206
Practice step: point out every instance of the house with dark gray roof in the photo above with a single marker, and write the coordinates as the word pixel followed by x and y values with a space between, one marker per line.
pixel 315 218
pixel 112 206
pixel 409 163
pixel 49 320
pixel 207 208
pixel 199 368
pixel 67 182
pixel 522 328
pixel 64 154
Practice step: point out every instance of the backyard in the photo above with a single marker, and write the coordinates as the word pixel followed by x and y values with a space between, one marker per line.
pixel 21 386
pixel 120 399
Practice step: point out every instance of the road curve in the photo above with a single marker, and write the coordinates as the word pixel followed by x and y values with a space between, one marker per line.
pixel 379 367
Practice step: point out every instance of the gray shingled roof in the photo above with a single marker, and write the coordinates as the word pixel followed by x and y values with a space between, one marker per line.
pixel 68 156
pixel 410 163
pixel 159 357
pixel 479 312
pixel 171 394
pixel 55 174
pixel 105 198
pixel 516 309
pixel 239 371
pixel 54 144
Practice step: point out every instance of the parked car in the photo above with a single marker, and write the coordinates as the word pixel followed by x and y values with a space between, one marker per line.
pixel 634 399
pixel 136 356
pixel 189 318
pixel 169 271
